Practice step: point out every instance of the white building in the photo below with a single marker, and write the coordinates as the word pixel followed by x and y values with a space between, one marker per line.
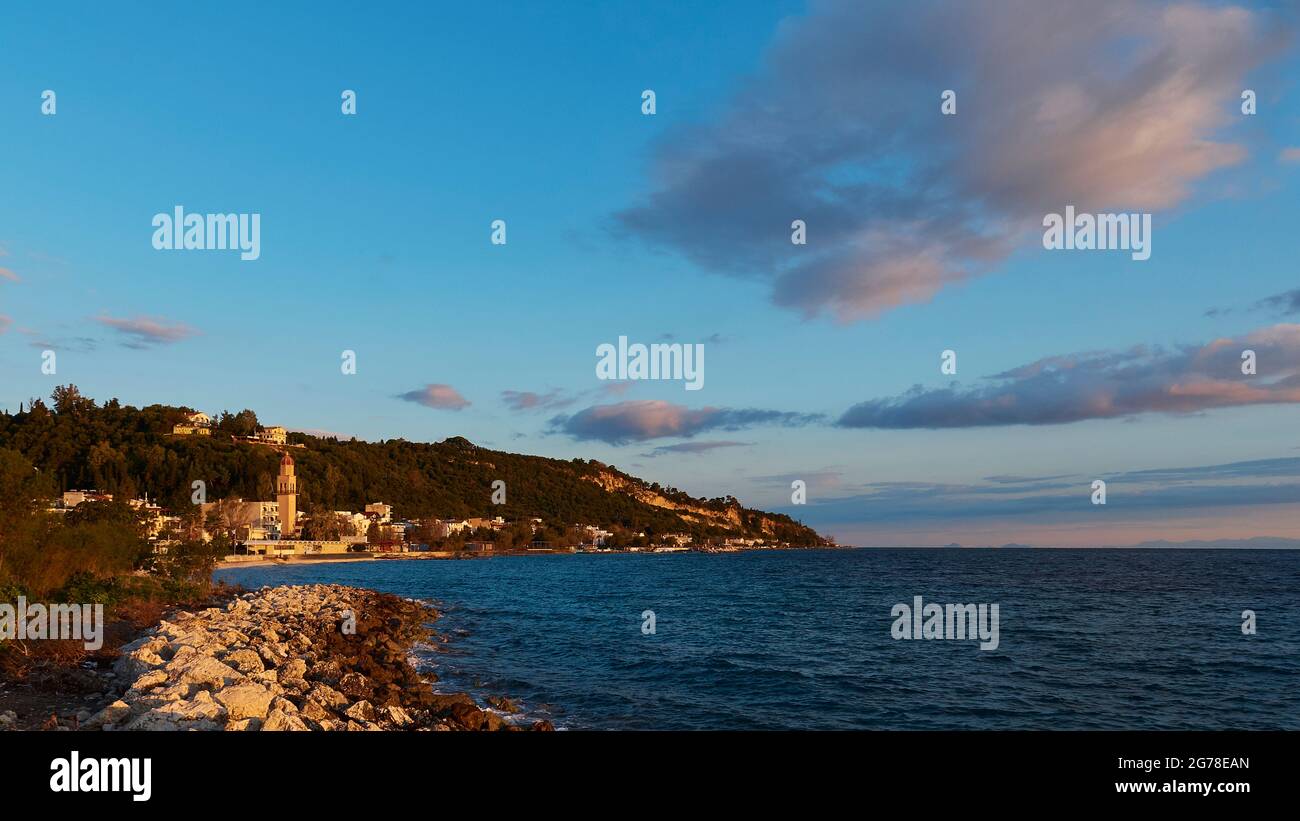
pixel 273 435
pixel 450 526
pixel 195 424
pixel 72 498
pixel 360 522
pixel 261 520
pixel 595 535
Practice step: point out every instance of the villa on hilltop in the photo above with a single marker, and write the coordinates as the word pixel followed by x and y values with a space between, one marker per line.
pixel 200 424
pixel 195 424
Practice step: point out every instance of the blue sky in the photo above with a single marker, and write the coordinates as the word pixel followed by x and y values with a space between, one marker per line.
pixel 375 238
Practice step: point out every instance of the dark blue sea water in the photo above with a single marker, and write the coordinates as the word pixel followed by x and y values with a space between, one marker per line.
pixel 1111 639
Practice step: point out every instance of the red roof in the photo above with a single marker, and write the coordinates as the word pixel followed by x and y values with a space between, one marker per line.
pixel 286 460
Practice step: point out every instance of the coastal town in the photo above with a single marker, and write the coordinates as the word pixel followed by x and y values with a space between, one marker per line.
pixel 123 514
pixel 277 529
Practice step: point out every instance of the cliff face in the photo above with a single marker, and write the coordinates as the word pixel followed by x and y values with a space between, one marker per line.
pixel 729 515
pixel 613 483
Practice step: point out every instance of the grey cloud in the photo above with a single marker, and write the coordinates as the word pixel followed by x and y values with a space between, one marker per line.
pixel 1286 303
pixel 529 400
pixel 641 420
pixel 1257 482
pixel 692 448
pixel 1103 385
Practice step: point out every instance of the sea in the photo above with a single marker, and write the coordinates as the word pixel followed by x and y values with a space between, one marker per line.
pixel 805 639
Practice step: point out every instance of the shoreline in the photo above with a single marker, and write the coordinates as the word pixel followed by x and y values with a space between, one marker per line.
pixel 342 558
pixel 295 658
pixel 260 562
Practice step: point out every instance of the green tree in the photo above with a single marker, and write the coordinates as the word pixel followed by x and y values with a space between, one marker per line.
pixel 243 423
pixel 68 399
pixel 326 526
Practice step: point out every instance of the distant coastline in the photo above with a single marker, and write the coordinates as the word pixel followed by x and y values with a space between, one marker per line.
pixel 1252 543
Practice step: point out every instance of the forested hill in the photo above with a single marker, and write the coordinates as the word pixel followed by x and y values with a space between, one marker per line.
pixel 131 452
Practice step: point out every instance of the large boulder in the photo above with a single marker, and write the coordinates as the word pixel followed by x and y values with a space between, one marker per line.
pixel 278 721
pixel 233 638
pixel 152 721
pixel 284 705
pixel 296 686
pixel 176 691
pixel 362 711
pixel 442 703
pixel 327 671
pixel 468 716
pixel 355 685
pixel 314 711
pixel 244 725
pixel 328 697
pixel 148 681
pixel 139 657
pixel 293 668
pixel 267 677
pixel 397 716
pixel 200 713
pixel 245 701
pixel 206 671
pixel 503 704
pixel 273 654
pixel 246 661
pixel 111 714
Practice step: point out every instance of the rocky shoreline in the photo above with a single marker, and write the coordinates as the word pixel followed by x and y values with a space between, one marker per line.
pixel 314 657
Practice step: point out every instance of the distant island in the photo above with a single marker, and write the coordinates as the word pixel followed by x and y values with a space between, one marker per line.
pixel 1255 543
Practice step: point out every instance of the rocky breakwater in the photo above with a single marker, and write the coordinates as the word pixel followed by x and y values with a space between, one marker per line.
pixel 317 657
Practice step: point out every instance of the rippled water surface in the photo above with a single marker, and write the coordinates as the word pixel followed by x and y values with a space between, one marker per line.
pixel 801 639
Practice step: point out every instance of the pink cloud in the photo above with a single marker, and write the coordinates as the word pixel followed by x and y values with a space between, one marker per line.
pixel 143 331
pixel 439 397
pixel 1107 105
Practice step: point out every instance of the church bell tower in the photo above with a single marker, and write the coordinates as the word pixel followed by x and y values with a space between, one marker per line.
pixel 286 497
